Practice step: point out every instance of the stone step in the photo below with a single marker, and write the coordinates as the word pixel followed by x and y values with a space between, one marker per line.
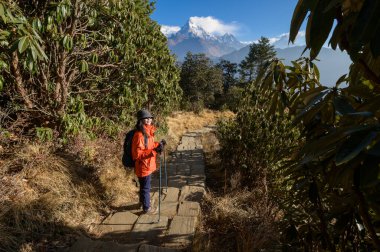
pixel 120 222
pixel 169 209
pixel 149 229
pixel 177 181
pixel 192 193
pixel 181 231
pixel 150 248
pixel 87 245
pixel 171 194
pixel 189 208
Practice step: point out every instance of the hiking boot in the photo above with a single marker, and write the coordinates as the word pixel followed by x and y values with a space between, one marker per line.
pixel 151 210
pixel 152 201
pixel 136 181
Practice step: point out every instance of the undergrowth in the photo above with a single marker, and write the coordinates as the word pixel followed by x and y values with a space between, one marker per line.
pixel 48 192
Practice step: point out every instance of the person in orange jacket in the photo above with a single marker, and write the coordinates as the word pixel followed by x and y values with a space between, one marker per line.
pixel 144 152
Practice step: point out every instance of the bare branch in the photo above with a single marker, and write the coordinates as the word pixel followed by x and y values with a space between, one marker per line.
pixel 92 91
pixel 106 65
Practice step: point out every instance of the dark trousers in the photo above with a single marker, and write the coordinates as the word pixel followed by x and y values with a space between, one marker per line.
pixel 145 191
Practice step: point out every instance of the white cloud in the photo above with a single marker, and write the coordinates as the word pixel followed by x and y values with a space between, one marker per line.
pixel 282 41
pixel 249 42
pixel 168 30
pixel 214 26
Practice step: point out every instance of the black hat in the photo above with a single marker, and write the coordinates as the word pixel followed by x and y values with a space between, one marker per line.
pixel 141 114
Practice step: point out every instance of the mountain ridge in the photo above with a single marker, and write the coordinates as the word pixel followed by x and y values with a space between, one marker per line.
pixel 191 37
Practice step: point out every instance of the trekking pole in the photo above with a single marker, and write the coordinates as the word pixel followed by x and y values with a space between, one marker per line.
pixel 166 173
pixel 159 194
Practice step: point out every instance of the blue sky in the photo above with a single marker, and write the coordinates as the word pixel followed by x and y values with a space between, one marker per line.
pixel 248 20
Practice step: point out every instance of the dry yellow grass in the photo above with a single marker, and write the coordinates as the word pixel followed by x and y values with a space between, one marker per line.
pixel 181 122
pixel 113 178
pixel 237 221
pixel 36 175
pixel 117 182
pixel 42 193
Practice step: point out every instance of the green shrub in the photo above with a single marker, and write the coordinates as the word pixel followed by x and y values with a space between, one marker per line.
pixel 255 142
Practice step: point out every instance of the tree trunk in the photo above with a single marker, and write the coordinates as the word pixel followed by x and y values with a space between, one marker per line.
pixel 323 224
pixel 44 76
pixel 15 70
pixel 364 214
pixel 63 78
pixel 62 87
pixel 265 185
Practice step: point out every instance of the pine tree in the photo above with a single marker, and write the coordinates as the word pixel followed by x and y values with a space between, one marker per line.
pixel 259 53
pixel 229 70
pixel 200 80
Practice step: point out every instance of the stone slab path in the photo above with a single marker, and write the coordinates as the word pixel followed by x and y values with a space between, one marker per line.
pixel 173 230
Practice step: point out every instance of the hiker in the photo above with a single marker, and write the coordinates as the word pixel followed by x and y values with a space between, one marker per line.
pixel 144 152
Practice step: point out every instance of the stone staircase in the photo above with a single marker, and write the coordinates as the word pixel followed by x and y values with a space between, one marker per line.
pixel 174 228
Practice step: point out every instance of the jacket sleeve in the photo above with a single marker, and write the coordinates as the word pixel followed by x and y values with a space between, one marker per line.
pixel 138 148
pixel 156 144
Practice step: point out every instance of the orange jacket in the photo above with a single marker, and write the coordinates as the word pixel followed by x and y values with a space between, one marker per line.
pixel 145 158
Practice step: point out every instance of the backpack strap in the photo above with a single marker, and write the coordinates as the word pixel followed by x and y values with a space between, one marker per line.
pixel 145 141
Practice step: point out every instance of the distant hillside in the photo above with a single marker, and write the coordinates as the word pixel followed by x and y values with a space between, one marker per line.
pixel 332 64
pixel 236 56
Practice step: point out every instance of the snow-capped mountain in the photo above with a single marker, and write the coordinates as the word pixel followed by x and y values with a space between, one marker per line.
pixel 191 37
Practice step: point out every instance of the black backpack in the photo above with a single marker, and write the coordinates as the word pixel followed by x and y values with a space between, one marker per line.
pixel 127 149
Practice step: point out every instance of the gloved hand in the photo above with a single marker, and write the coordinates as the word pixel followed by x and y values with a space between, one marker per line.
pixel 159 148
